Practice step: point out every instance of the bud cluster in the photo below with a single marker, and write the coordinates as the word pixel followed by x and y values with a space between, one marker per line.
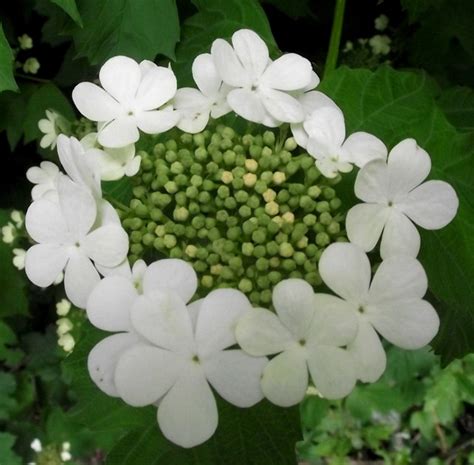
pixel 245 211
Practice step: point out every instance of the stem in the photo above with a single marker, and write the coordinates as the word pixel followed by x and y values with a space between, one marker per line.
pixel 335 41
pixel 32 78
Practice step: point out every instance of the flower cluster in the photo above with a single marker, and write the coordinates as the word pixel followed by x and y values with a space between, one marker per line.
pixel 239 229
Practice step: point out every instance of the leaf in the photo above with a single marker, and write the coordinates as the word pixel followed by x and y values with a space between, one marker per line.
pixel 217 19
pixel 7 455
pixel 140 29
pixel 458 105
pixel 395 105
pixel 7 81
pixel 70 7
pixel 261 435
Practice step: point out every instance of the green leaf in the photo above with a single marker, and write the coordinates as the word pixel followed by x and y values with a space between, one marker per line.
pixel 217 19
pixel 458 105
pixel 396 105
pixel 140 30
pixel 7 81
pixel 70 7
pixel 261 435
pixel 7 455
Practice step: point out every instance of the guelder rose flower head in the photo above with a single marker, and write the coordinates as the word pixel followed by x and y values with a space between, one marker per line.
pixel 67 240
pixel 396 197
pixel 306 335
pixel 110 303
pixel 196 106
pixel 130 99
pixel 181 361
pixel 261 87
pixel 391 304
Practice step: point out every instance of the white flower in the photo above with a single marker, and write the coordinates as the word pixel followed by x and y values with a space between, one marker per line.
pixel 392 303
pixel 112 164
pixel 396 198
pixel 380 44
pixel 196 106
pixel 132 94
pixel 184 356
pixel 17 217
pixel 19 258
pixel 307 335
pixel 67 240
pixel 36 445
pixel 63 307
pixel 8 233
pixel 109 305
pixel 49 128
pixel 326 139
pixel 261 87
pixel 45 177
pixel 381 23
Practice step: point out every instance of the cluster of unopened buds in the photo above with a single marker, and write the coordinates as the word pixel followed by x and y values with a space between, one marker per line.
pixel 249 224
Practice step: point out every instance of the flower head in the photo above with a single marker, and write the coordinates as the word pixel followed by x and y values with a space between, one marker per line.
pixel 261 87
pixel 391 304
pixel 306 333
pixel 131 98
pixel 396 197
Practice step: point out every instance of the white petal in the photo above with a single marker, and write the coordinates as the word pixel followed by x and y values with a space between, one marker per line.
pixel 285 378
pixel 157 87
pixel 158 121
pixel 109 304
pixel 45 222
pixel 120 77
pixel 162 318
pixel 251 51
pixel 236 376
pixel 335 322
pixel 432 205
pixel 289 72
pixel 107 245
pixel 80 278
pixel 188 413
pixel 294 303
pixel 365 223
pixel 95 103
pixel 398 278
pixel 363 147
pixel 247 104
pixel 78 207
pixel 332 371
pixel 409 324
pixel 205 75
pixel 145 373
pixel 228 65
pixel 260 332
pixel 368 353
pixel 119 132
pixel 282 106
pixel 408 166
pixel 345 269
pixel 44 263
pixel 371 184
pixel 400 237
pixel 103 359
pixel 218 316
pixel 171 274
pixel 326 124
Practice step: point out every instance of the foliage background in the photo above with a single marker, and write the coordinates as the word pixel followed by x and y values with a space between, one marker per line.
pixel 419 412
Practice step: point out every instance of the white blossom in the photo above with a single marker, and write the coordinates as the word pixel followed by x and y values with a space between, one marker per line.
pixel 195 106
pixel 69 239
pixel 131 98
pixel 396 197
pixel 306 334
pixel 261 87
pixel 391 304
pixel 45 177
pixel 49 127
pixel 183 357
